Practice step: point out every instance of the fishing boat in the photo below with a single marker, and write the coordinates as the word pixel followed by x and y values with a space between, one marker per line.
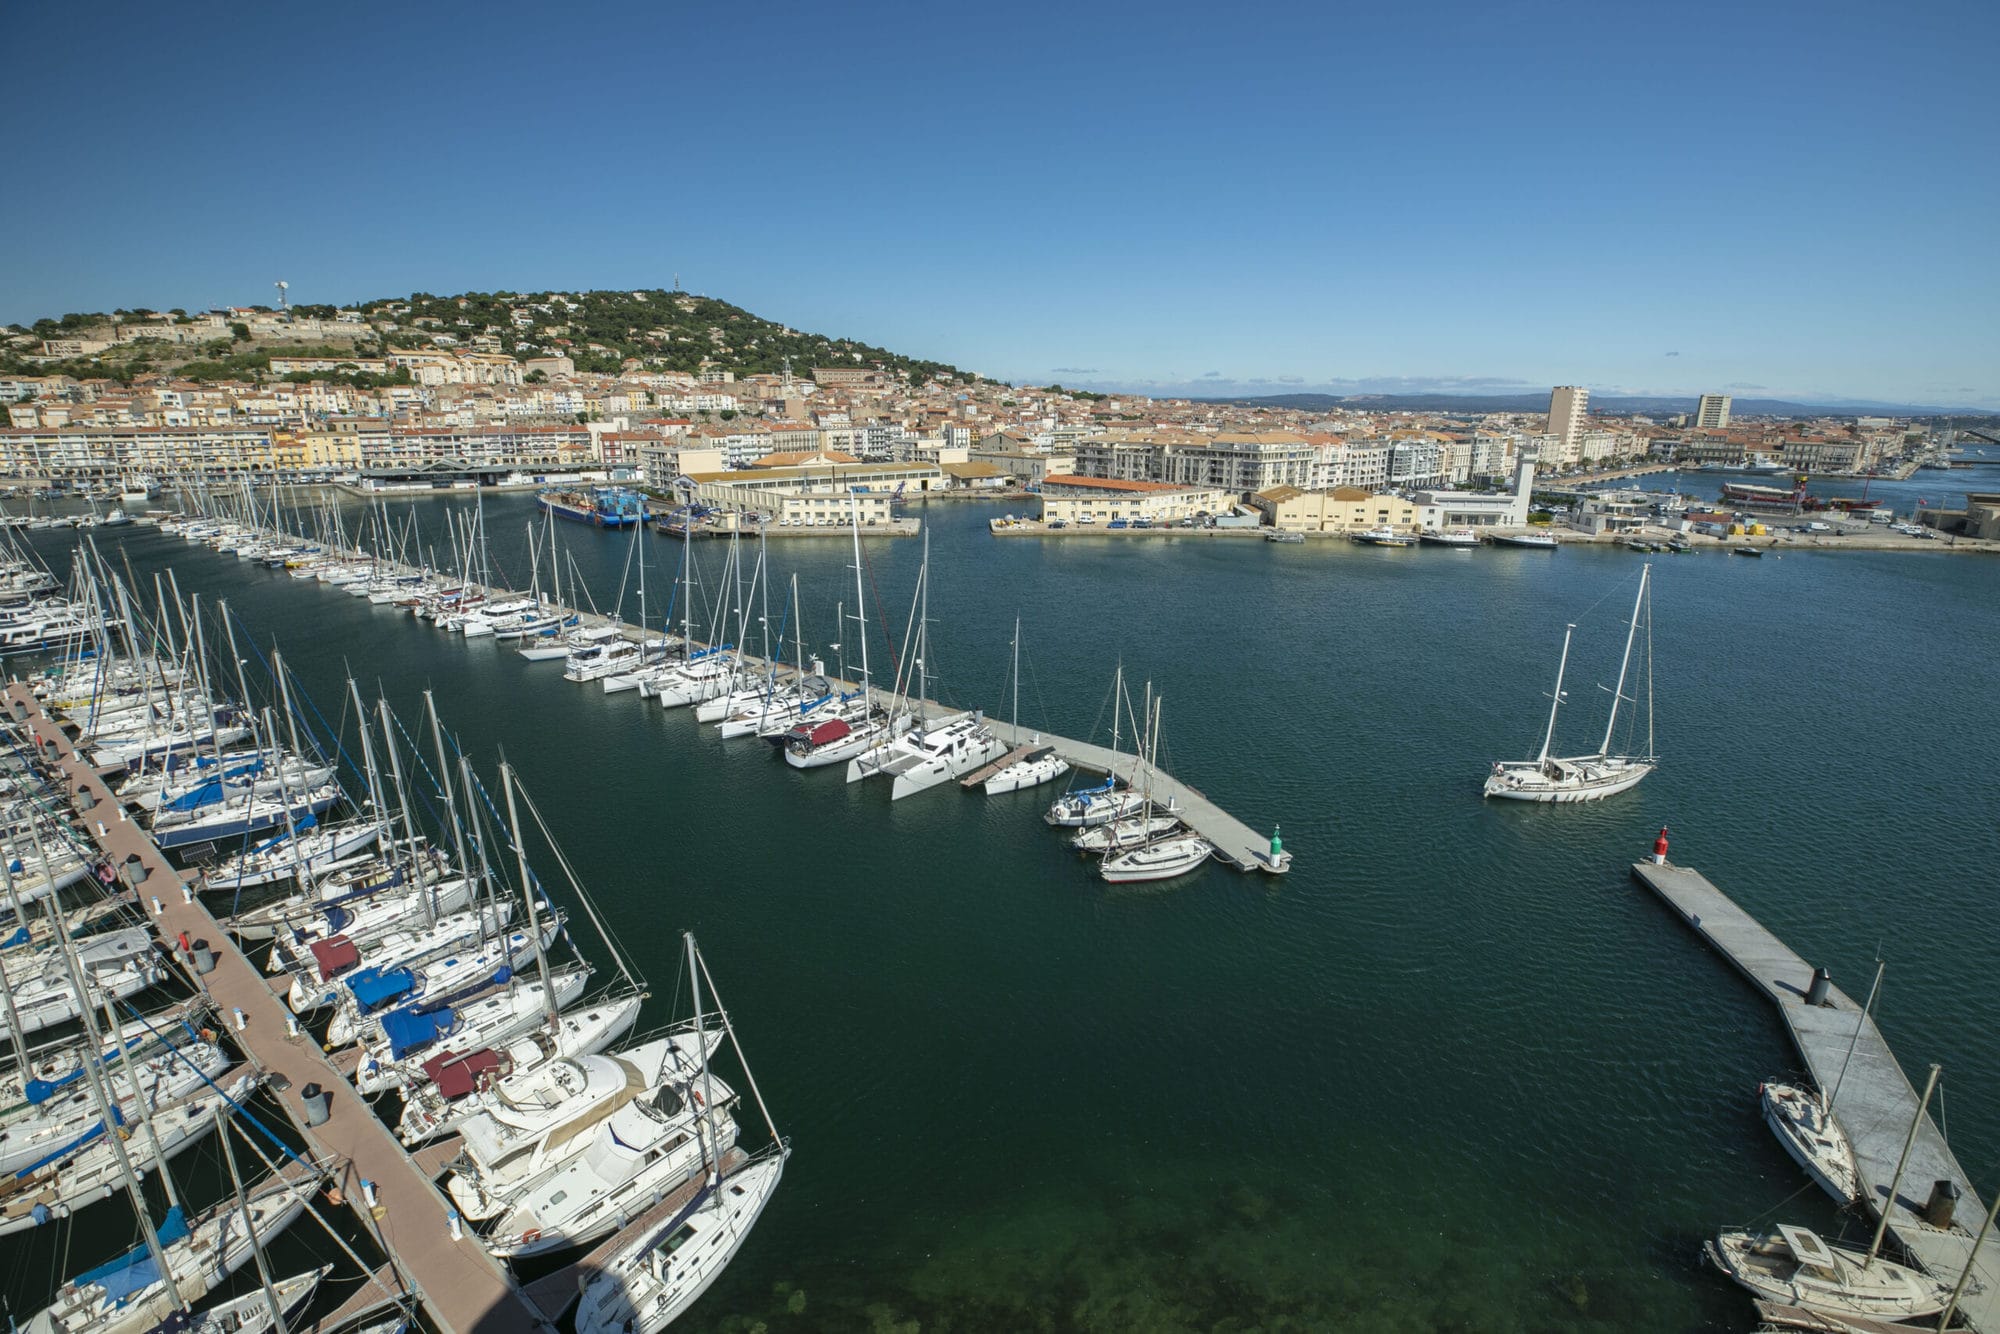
pixel 1533 541
pixel 1793 1265
pixel 1585 777
pixel 1384 537
pixel 602 506
pixel 1746 550
pixel 1451 537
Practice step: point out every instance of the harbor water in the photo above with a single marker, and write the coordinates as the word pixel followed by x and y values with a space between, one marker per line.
pixel 1454 1072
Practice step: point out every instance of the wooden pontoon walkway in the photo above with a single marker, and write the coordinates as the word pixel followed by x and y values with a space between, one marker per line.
pixel 1876 1104
pixel 460 1284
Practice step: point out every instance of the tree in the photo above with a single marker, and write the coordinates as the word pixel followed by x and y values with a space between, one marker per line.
pixel 241 332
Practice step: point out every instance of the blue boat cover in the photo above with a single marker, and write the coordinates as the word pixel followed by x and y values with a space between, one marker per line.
pixel 21 936
pixel 205 794
pixel 135 1271
pixel 373 987
pixel 407 1030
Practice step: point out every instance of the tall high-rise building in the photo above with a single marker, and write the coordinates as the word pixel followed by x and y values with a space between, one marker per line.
pixel 1567 405
pixel 1713 413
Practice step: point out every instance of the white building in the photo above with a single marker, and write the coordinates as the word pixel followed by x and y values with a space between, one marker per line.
pixel 1569 405
pixel 1712 413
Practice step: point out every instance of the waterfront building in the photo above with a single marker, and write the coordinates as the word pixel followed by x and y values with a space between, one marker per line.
pixel 1343 509
pixel 1712 413
pixel 1824 456
pixel 818 496
pixel 1100 500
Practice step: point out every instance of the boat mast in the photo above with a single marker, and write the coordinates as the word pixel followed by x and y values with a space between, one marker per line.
pixel 1017 681
pixel 528 892
pixel 1889 1201
pixel 1631 632
pixel 377 802
pixel 1549 738
pixel 444 778
pixel 223 1131
pixel 1854 1041
pixel 709 1146
pixel 403 803
pixel 860 603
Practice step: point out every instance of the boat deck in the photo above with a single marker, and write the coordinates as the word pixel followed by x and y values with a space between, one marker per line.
pixel 986 771
pixel 460 1284
pixel 552 1295
pixel 1876 1104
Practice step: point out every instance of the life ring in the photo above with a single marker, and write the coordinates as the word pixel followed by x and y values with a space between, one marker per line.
pixel 696 1095
pixel 531 1236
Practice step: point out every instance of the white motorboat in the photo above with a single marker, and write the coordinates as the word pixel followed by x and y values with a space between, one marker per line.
pixel 1533 541
pixel 643 1287
pixel 1795 1267
pixel 1384 537
pixel 1804 1125
pixel 1462 538
pixel 1585 777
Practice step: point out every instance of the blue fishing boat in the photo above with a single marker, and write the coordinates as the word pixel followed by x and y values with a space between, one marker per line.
pixel 602 506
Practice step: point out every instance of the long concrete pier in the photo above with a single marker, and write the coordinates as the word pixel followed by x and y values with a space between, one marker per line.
pixel 1236 843
pixel 461 1285
pixel 1876 1104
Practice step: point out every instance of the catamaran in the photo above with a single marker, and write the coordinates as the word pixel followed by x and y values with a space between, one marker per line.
pixel 1585 777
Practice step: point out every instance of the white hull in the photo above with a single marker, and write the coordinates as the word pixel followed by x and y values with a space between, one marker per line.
pixel 1162 859
pixel 1590 778
pixel 1810 1135
pixel 1024 774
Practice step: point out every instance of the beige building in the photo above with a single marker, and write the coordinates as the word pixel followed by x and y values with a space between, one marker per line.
pixel 1569 407
pixel 1712 413
pixel 1089 500
pixel 1340 510
pixel 816 497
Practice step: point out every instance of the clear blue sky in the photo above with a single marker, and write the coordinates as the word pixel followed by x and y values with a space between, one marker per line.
pixel 1796 198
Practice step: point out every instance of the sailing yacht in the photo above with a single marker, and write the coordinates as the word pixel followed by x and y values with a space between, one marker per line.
pixel 1802 1119
pixel 648 1282
pixel 859 726
pixel 1159 856
pixel 1585 777
pixel 1796 1267
pixel 1038 766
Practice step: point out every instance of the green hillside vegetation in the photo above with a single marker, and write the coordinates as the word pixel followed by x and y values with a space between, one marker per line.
pixel 599 331
pixel 675 331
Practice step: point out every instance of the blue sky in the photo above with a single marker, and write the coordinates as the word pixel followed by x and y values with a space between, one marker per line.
pixel 1791 199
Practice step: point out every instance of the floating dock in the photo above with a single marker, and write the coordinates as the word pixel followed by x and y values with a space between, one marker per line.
pixel 1876 1104
pixel 461 1285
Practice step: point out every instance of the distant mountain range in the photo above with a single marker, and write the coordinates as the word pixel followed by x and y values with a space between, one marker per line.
pixel 1617 406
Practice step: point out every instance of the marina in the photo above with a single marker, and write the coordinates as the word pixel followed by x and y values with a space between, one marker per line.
pixel 979 831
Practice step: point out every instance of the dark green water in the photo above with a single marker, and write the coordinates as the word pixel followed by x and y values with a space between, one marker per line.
pixel 1456 1072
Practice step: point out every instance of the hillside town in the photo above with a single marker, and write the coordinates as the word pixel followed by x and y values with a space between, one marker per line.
pixel 383 400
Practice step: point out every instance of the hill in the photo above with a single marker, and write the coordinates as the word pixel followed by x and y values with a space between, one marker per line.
pixel 599 331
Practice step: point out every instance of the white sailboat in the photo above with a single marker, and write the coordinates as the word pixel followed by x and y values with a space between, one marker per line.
pixel 860 725
pixel 1039 766
pixel 1803 1120
pixel 1585 777
pixel 1162 856
pixel 1796 1267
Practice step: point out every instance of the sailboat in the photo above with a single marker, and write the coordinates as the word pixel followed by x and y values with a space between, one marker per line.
pixel 1162 856
pixel 1802 1119
pixel 1585 777
pixel 1038 766
pixel 930 752
pixel 1796 1267
pixel 1082 808
pixel 815 744
pixel 646 1284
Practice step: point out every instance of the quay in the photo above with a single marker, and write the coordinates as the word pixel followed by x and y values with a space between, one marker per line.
pixel 461 1285
pixel 1876 1105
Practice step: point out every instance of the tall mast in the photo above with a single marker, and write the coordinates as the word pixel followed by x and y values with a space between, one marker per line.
pixel 223 1130
pixel 377 804
pixel 1555 704
pixel 1854 1041
pixel 528 891
pixel 403 802
pixel 1889 1200
pixel 1631 632
pixel 444 777
pixel 1017 680
pixel 709 1146
pixel 860 602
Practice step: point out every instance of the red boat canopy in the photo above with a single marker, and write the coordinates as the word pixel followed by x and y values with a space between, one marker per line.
pixel 455 1075
pixel 826 732
pixel 334 955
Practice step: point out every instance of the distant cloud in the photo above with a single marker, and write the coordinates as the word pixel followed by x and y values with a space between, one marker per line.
pixel 1673 354
pixel 1747 388
pixel 1073 370
pixel 1291 379
pixel 1211 375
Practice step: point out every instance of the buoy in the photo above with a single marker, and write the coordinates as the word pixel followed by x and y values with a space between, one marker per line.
pixel 1660 848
